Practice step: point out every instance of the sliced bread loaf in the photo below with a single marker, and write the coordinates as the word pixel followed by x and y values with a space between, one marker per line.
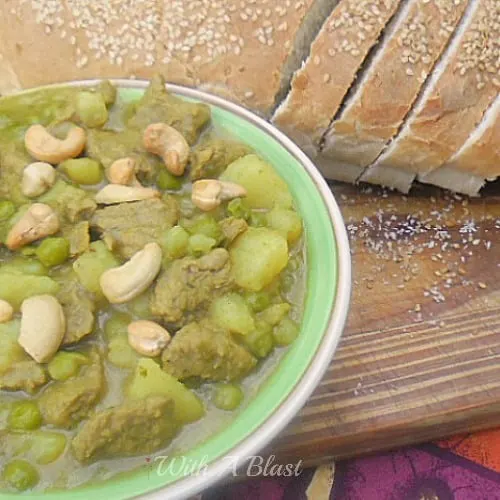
pixel 461 89
pixel 372 116
pixel 319 87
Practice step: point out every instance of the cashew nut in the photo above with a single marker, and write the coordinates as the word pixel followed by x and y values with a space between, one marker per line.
pixel 165 141
pixel 117 193
pixel 38 177
pixel 45 147
pixel 122 172
pixel 147 337
pixel 39 221
pixel 121 284
pixel 208 194
pixel 6 311
pixel 43 326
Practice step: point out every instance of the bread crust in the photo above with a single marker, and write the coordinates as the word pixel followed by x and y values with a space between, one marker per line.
pixel 376 112
pixel 457 101
pixel 480 155
pixel 320 86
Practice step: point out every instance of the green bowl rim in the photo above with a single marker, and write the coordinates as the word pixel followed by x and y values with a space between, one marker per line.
pixel 311 376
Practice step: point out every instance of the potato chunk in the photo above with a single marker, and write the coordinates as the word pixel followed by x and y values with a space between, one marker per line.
pixel 265 188
pixel 232 313
pixel 149 379
pixel 257 257
pixel 91 264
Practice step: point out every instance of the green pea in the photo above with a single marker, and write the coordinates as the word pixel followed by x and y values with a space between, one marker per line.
pixel 140 305
pixel 258 219
pixel 46 447
pixel 260 340
pixel 53 251
pixel 83 170
pixel 227 396
pixel 121 354
pixel 117 325
pixel 65 365
pixel 285 332
pixel 258 301
pixel 108 92
pixel 91 109
pixel 237 208
pixel 204 224
pixel 275 313
pixel 24 415
pixel 200 244
pixel 24 265
pixel 168 181
pixel 175 242
pixel 20 474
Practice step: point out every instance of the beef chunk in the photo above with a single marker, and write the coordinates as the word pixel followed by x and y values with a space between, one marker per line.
pixel 63 404
pixel 158 105
pixel 24 375
pixel 17 370
pixel 212 156
pixel 128 227
pixel 190 283
pixel 107 146
pixel 232 227
pixel 208 352
pixel 78 236
pixel 78 309
pixel 136 427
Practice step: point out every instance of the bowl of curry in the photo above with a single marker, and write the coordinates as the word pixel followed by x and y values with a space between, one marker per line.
pixel 174 280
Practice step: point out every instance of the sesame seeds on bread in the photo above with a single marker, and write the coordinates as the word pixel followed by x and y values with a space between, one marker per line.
pixel 461 89
pixel 59 40
pixel 242 49
pixel 319 87
pixel 374 113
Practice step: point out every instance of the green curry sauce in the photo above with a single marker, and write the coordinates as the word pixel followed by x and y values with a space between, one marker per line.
pixel 230 290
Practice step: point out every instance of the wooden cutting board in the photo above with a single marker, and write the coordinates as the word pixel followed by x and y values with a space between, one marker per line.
pixel 420 357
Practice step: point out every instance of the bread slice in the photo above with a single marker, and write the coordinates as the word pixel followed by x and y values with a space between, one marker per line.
pixel 243 50
pixel 375 111
pixel 477 160
pixel 60 40
pixel 452 105
pixel 320 86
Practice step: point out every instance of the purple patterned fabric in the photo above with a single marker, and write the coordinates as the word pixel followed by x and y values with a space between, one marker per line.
pixel 420 473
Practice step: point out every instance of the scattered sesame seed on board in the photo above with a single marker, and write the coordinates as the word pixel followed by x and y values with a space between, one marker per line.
pixel 432 251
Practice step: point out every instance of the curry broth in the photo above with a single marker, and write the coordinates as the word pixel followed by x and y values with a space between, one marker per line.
pixel 55 108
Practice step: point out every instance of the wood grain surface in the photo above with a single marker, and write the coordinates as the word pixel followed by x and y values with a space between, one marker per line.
pixel 420 357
